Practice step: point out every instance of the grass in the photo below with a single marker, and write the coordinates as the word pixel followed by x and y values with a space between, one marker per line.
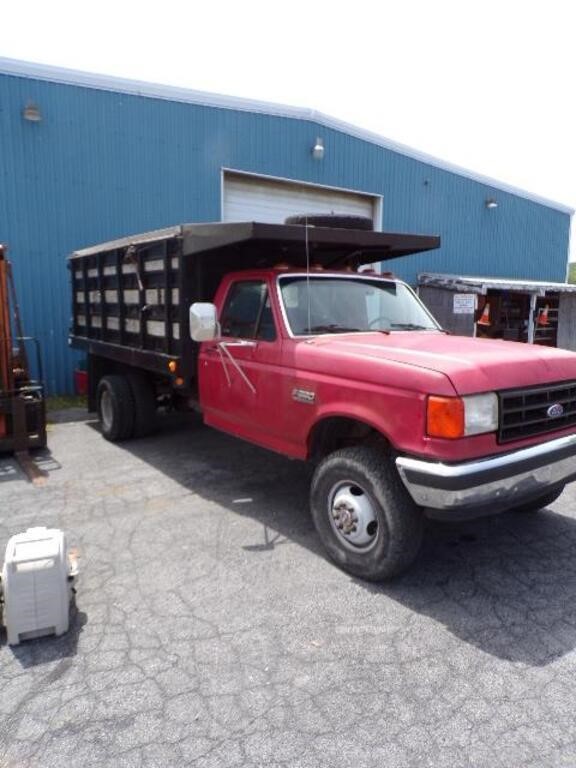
pixel 64 402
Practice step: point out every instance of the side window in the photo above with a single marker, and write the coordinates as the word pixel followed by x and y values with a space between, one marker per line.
pixel 247 313
pixel 266 327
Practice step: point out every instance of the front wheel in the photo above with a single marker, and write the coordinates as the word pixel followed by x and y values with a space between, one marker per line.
pixel 366 519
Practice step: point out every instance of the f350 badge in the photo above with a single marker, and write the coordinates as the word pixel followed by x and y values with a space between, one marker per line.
pixel 303 395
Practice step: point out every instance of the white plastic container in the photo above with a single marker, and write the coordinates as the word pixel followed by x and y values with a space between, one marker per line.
pixel 35 584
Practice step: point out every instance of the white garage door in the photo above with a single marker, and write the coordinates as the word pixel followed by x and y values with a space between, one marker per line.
pixel 253 198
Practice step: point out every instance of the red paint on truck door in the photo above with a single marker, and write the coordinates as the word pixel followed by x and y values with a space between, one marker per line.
pixel 240 374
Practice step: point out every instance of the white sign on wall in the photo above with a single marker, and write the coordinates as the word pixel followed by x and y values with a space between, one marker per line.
pixel 464 303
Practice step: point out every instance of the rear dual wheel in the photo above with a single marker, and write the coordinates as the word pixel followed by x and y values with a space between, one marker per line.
pixel 126 406
pixel 115 408
pixel 366 519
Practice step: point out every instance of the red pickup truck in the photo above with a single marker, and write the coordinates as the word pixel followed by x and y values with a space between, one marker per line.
pixel 276 336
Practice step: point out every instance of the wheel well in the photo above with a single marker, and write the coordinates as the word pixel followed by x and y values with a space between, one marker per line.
pixel 98 367
pixel 340 432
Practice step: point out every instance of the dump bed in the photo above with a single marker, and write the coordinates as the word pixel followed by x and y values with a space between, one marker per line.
pixel 130 297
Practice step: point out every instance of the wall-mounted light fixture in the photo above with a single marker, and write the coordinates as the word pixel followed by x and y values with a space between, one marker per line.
pixel 31 112
pixel 318 149
pixel 491 203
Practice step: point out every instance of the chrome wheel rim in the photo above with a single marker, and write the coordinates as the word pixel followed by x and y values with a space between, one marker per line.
pixel 352 514
pixel 106 410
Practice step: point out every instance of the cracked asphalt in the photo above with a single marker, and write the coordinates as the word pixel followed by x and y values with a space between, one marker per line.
pixel 209 629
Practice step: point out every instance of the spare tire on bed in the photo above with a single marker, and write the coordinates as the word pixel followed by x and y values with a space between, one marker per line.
pixel 335 220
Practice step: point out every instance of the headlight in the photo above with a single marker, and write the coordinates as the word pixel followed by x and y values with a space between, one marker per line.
pixel 480 413
pixel 454 417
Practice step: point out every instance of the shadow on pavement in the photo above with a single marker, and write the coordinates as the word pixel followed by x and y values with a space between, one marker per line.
pixel 505 584
pixel 10 469
pixel 44 650
pixel 43 458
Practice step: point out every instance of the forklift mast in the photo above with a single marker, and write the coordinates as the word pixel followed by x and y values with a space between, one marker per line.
pixel 5 335
pixel 22 404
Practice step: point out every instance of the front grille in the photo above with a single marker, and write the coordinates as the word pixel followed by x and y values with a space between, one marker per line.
pixel 523 412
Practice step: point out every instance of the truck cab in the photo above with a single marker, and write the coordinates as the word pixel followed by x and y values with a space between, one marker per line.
pixel 288 342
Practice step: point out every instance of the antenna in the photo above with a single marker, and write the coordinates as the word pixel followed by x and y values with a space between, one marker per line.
pixel 308 274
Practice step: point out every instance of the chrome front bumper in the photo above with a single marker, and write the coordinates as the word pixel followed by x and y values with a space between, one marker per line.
pixel 484 486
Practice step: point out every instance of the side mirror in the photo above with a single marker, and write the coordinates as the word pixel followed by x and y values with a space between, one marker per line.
pixel 203 322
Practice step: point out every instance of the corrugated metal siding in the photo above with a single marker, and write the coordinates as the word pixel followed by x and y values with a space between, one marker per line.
pixel 441 303
pixel 101 165
pixel 567 321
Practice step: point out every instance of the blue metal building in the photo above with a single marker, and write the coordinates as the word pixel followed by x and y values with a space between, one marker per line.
pixel 86 158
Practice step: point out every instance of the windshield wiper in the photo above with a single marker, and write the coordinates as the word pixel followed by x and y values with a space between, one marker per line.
pixel 332 328
pixel 411 327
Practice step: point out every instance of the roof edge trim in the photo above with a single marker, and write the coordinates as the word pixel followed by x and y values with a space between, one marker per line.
pixel 456 282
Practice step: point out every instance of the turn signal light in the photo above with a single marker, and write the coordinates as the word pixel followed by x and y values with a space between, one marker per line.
pixel 445 417
pixel 172 365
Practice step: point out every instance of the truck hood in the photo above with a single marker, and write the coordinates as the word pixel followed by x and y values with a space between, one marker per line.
pixel 472 365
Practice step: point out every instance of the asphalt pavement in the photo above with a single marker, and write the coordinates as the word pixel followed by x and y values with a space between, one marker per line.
pixel 210 630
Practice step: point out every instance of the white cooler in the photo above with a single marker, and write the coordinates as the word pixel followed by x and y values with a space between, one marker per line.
pixel 36 585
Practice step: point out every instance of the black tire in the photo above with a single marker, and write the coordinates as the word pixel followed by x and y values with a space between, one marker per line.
pixel 144 399
pixel 540 503
pixel 399 522
pixel 115 408
pixel 336 221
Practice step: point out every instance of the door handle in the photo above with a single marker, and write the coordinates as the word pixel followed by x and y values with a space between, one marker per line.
pixel 240 343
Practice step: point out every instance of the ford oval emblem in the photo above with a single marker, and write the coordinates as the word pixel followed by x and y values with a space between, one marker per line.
pixel 555 411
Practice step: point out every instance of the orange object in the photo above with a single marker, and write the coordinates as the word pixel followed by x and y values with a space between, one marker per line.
pixel 445 417
pixel 543 316
pixel 485 316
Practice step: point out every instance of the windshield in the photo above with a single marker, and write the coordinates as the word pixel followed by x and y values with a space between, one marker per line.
pixel 321 304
